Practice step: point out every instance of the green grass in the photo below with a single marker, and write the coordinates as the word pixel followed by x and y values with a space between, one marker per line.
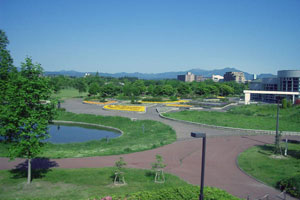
pixel 155 134
pixel 68 93
pixel 79 183
pixel 249 117
pixel 257 162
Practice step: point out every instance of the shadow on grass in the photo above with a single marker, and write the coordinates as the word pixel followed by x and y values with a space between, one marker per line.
pixel 268 150
pixel 150 174
pixel 254 140
pixel 39 167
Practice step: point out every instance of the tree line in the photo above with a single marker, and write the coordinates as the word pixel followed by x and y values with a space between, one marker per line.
pixel 128 87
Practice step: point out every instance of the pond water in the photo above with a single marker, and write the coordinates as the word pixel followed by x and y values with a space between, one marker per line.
pixel 66 133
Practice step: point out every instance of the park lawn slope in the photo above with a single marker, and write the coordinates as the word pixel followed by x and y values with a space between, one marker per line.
pixel 260 117
pixel 259 162
pixel 76 184
pixel 155 134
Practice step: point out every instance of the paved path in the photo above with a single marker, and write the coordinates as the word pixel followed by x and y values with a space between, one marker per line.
pixel 183 130
pixel 183 158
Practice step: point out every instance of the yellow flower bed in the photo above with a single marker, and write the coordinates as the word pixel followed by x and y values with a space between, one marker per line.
pixel 126 108
pixel 179 105
pixel 99 103
pixel 179 101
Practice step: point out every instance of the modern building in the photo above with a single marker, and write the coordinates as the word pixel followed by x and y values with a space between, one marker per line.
pixel 286 84
pixel 217 78
pixel 238 77
pixel 289 80
pixel 189 77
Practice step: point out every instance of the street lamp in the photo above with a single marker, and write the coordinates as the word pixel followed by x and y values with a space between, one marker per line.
pixel 201 135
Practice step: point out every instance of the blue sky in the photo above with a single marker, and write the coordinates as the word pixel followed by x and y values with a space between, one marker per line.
pixel 150 36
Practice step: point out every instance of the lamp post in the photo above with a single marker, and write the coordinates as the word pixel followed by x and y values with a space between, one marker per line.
pixel 201 135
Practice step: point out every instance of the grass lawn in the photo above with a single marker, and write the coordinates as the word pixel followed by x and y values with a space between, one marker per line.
pixel 68 93
pixel 79 183
pixel 257 162
pixel 155 134
pixel 249 117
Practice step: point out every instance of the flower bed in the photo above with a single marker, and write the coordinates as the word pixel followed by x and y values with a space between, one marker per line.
pixel 99 103
pixel 179 101
pixel 126 108
pixel 179 105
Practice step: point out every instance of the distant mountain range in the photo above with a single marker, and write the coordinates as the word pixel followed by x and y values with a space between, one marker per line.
pixel 157 76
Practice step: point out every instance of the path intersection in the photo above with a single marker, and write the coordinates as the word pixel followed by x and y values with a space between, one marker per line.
pixel 183 157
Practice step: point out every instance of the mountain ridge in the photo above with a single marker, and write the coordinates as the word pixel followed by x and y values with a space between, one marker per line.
pixel 157 76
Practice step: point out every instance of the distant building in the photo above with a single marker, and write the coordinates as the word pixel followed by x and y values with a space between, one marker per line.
pixel 87 74
pixel 286 81
pixel 238 77
pixel 254 77
pixel 189 77
pixel 217 78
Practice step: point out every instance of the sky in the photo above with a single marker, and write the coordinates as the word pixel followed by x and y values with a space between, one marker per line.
pixel 153 36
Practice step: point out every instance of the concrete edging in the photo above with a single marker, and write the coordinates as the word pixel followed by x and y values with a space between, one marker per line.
pixel 268 132
pixel 84 123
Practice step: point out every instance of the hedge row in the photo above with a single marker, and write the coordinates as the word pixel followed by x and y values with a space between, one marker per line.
pixel 178 193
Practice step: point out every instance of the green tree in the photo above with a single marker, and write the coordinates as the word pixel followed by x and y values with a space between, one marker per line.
pixel 168 90
pixel 183 89
pixel 7 70
pixel 80 85
pixel 27 113
pixel 94 88
pixel 225 90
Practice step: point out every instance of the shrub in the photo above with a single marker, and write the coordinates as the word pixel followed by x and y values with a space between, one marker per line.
pixel 290 185
pixel 289 104
pixel 284 103
pixel 158 99
pixel 173 98
pixel 178 193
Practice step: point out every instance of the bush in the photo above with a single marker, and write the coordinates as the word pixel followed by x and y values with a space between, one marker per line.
pixel 178 193
pixel 290 185
pixel 284 103
pixel 159 99
pixel 173 98
pixel 289 104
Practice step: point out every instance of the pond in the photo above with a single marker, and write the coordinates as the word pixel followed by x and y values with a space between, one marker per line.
pixel 67 133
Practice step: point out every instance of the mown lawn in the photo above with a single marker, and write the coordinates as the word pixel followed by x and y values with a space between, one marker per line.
pixel 259 163
pixel 68 93
pixel 261 117
pixel 78 183
pixel 155 134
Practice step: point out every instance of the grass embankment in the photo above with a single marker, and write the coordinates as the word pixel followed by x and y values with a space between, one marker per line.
pixel 68 93
pixel 133 140
pixel 78 183
pixel 259 163
pixel 261 117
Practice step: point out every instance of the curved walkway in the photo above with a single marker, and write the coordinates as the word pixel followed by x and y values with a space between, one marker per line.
pixel 183 158
pixel 183 130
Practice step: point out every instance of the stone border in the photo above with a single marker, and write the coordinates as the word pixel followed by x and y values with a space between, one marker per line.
pixel 89 124
pixel 267 132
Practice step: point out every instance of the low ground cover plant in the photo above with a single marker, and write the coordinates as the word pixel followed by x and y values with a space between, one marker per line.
pixel 178 193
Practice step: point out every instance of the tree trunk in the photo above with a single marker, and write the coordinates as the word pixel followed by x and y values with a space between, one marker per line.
pixel 29 171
